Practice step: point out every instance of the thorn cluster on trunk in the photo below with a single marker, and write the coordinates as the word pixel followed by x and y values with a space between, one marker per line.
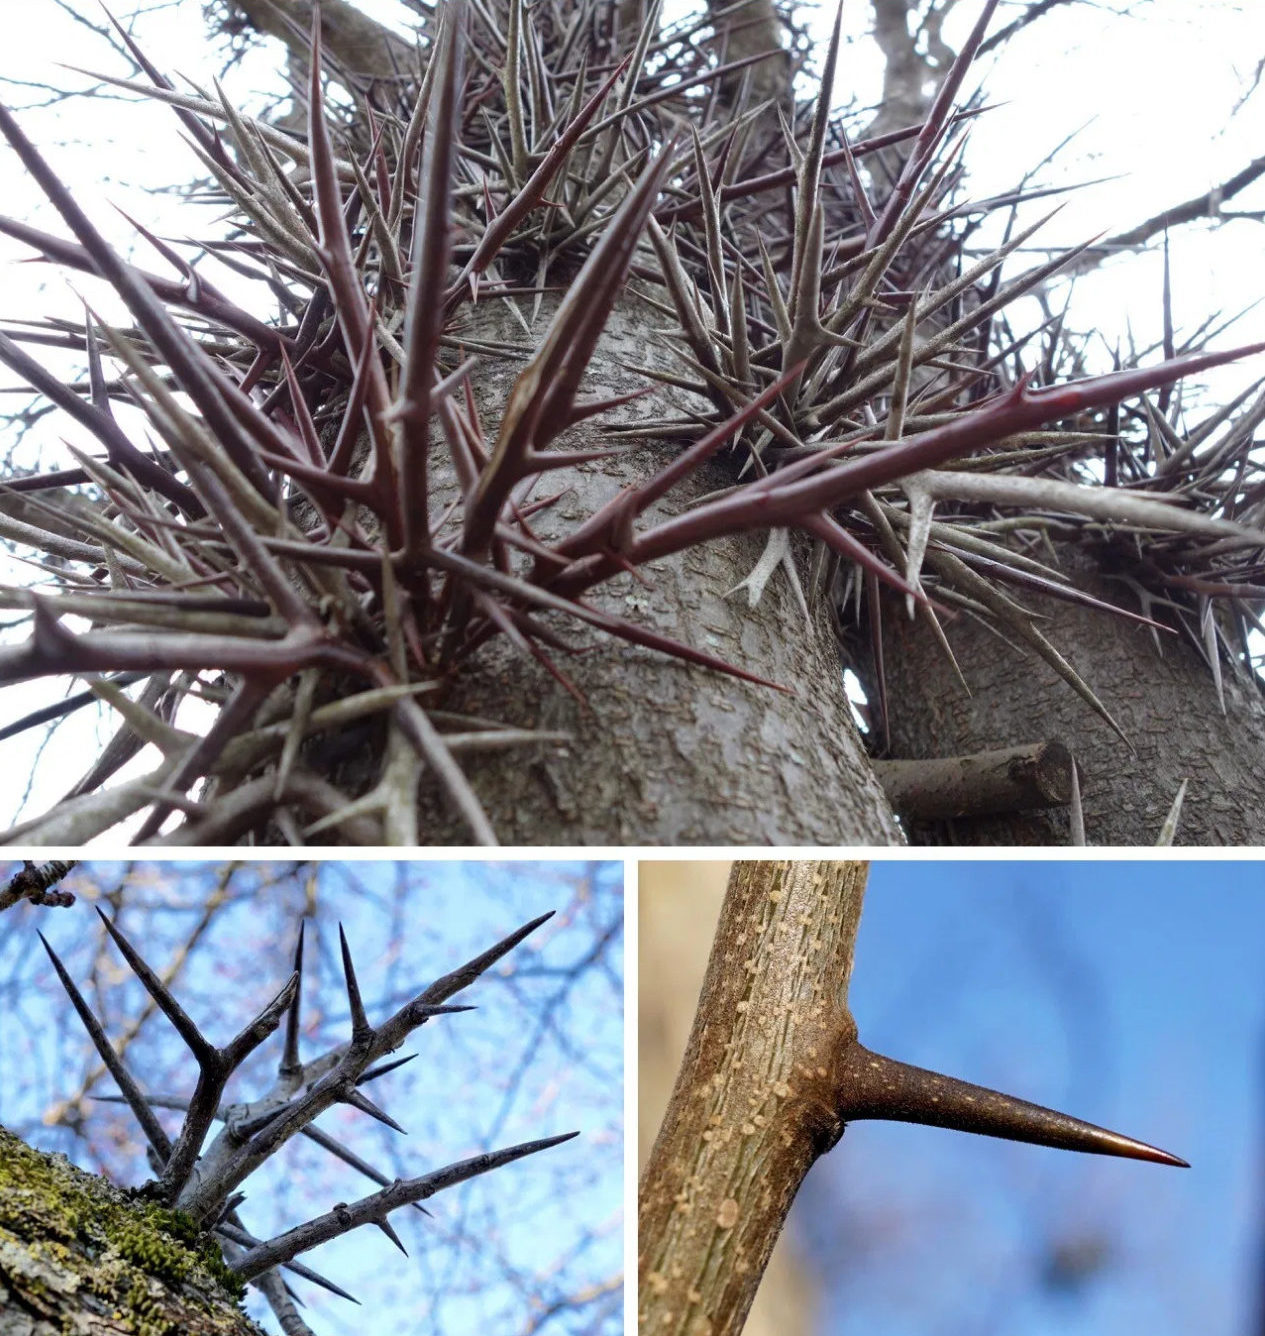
pixel 324 528
pixel 202 1175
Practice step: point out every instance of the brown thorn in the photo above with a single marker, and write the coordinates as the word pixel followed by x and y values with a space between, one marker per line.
pixel 872 1086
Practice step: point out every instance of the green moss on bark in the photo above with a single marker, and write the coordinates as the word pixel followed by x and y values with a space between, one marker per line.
pixel 78 1254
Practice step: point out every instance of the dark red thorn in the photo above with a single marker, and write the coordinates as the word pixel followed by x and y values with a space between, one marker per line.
pixel 835 536
pixel 872 1086
pixel 302 414
pixel 614 521
pixel 508 625
pixel 340 458
pixel 776 501
pixel 432 247
pixel 498 230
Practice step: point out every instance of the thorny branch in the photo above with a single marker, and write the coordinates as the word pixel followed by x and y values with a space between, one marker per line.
pixel 772 1074
pixel 202 1178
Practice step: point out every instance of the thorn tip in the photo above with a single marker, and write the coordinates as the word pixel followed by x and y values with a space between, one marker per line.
pixel 872 1086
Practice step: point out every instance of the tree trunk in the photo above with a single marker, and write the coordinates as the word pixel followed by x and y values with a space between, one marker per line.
pixel 678 909
pixel 755 1101
pixel 661 752
pixel 665 752
pixel 79 1257
pixel 1166 703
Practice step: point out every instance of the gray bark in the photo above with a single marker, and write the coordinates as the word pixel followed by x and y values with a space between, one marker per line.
pixel 666 752
pixel 1165 702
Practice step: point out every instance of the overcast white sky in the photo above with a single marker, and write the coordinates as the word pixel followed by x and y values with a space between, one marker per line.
pixel 1155 91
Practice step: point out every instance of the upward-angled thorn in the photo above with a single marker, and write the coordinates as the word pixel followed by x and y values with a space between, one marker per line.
pixel 383 1067
pixel 158 1139
pixel 202 1048
pixel 872 1086
pixel 360 1027
pixel 290 1064
pixel 460 978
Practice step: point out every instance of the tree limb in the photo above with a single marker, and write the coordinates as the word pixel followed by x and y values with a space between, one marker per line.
pixel 360 45
pixel 1207 205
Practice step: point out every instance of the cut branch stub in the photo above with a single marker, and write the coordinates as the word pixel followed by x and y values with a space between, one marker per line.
pixel 1008 779
pixel 872 1086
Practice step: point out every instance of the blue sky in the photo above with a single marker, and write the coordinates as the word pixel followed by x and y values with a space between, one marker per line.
pixel 1130 994
pixel 542 1054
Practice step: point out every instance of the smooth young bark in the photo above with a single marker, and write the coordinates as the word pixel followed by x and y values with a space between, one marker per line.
pixel 678 907
pixel 755 1102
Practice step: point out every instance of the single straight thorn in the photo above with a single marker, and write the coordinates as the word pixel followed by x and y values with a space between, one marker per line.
pixel 389 1230
pixel 136 1101
pixel 366 1105
pixel 336 1148
pixel 384 1067
pixel 360 1027
pixel 243 1238
pixel 460 978
pixel 425 1010
pixel 290 1064
pixel 873 1086
pixel 202 1048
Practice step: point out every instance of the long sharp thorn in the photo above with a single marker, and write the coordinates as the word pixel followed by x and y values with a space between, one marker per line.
pixel 388 1229
pixel 371 1209
pixel 336 1148
pixel 460 978
pixel 876 1087
pixel 782 502
pixel 201 1047
pixel 136 1100
pixel 366 1105
pixel 290 1064
pixel 382 1068
pixel 243 1238
pixel 360 1027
